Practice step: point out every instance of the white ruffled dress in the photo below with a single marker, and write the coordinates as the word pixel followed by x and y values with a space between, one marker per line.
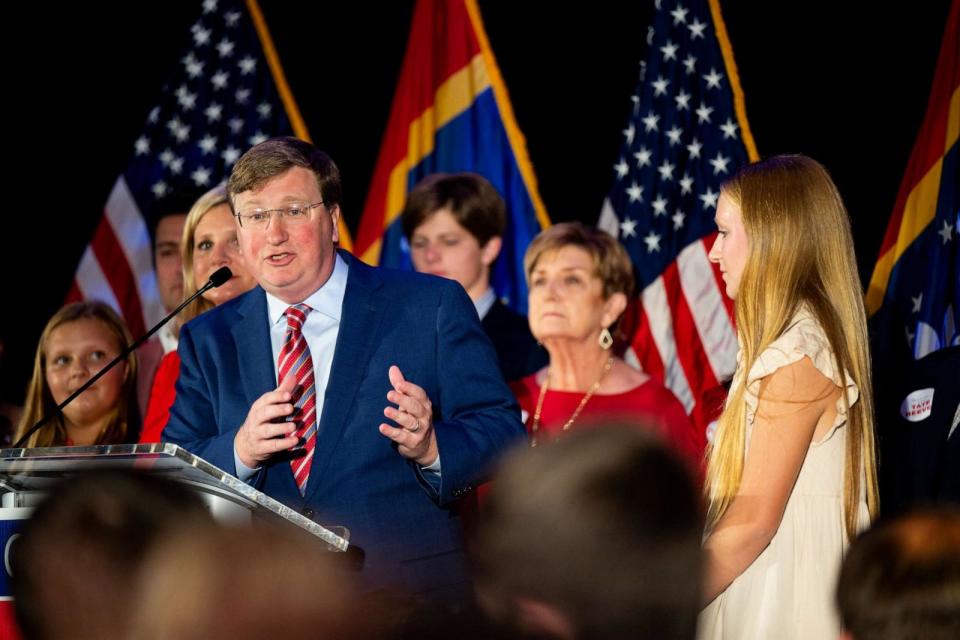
pixel 788 590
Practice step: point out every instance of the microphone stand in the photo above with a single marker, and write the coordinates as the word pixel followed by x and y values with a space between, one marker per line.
pixel 217 278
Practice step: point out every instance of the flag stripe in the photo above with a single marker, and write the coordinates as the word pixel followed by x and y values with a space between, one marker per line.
pixel 118 274
pixel 645 346
pixel 74 294
pixel 953 119
pixel 453 100
pixel 91 283
pixel 693 361
pixel 917 213
pixel 133 238
pixel 656 305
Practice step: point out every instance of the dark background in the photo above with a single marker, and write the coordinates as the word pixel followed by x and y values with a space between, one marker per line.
pixel 846 83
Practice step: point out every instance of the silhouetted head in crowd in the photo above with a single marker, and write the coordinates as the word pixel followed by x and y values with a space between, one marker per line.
pixel 75 564
pixel 596 535
pixel 901 579
pixel 261 582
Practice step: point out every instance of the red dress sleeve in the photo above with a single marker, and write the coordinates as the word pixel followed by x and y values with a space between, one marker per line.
pixel 680 432
pixel 162 396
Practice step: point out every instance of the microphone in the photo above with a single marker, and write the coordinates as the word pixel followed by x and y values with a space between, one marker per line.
pixel 217 278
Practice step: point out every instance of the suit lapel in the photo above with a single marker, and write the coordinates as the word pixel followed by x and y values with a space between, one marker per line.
pixel 359 324
pixel 251 336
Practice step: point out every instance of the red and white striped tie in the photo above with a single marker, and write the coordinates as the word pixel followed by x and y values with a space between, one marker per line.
pixel 295 360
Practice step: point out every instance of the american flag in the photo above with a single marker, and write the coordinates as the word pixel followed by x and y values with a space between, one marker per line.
pixel 221 99
pixel 687 133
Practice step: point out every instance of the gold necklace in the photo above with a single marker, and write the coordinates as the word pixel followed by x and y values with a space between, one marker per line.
pixel 576 412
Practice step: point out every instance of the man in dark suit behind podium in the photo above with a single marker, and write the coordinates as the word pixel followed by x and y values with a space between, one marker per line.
pixel 381 343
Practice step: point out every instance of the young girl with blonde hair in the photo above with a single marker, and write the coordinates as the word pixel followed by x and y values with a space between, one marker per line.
pixel 78 341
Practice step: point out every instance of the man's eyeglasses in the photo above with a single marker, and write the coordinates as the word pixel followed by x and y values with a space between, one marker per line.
pixel 295 213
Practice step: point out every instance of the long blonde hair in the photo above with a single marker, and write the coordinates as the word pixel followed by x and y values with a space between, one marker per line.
pixel 39 402
pixel 801 254
pixel 213 198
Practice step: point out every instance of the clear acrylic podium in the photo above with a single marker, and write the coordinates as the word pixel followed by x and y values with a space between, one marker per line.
pixel 26 475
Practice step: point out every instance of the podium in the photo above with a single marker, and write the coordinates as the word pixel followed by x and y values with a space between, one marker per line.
pixel 26 475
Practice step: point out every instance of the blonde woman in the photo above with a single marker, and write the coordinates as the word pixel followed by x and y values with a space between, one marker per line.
pixel 78 341
pixel 791 476
pixel 209 242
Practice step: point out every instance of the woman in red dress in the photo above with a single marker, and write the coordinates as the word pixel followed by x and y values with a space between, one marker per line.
pixel 580 280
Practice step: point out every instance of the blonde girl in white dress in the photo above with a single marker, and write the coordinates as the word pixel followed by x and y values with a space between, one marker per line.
pixel 791 474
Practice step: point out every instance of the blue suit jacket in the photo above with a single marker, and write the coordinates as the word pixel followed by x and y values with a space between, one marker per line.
pixel 409 530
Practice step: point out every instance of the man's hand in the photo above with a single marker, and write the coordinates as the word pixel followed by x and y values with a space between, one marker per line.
pixel 259 436
pixel 415 438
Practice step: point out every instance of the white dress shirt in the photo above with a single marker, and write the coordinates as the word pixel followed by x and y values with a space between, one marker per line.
pixel 320 329
pixel 485 302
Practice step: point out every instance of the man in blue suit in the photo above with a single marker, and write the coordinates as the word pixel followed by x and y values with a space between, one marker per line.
pixel 381 343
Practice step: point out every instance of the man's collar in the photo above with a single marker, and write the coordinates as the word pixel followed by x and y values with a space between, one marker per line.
pixel 485 302
pixel 328 299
